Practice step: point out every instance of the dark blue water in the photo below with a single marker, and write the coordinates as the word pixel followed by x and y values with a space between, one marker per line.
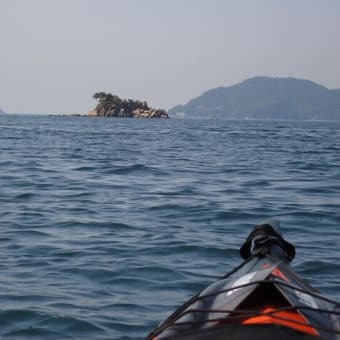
pixel 106 225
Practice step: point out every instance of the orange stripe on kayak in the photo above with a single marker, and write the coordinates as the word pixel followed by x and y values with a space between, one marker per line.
pixel 279 274
pixel 288 319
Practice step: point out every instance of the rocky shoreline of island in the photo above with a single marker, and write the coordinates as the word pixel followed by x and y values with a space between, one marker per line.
pixel 110 105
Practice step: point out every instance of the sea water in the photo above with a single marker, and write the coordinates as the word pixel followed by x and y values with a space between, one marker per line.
pixel 107 225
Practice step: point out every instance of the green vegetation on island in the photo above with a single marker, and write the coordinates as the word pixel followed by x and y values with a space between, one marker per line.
pixel 110 105
pixel 265 98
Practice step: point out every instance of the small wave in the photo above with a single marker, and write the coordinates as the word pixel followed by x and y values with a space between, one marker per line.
pixel 36 333
pixel 167 207
pixel 23 323
pixel 240 215
pixel 85 168
pixel 135 168
pixel 153 272
pixel 70 325
pixel 317 267
pixel 4 240
pixel 26 324
pixel 18 315
pixel 25 196
pixel 93 225
pixel 32 233
pixel 95 274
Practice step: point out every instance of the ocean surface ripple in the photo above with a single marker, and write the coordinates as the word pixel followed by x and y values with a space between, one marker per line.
pixel 107 225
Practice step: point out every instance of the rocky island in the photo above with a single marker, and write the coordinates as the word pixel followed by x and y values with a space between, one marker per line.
pixel 112 106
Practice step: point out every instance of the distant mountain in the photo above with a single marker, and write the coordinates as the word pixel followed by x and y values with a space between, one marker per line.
pixel 265 98
pixel 1 111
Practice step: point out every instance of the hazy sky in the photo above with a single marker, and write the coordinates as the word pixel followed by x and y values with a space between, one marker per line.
pixel 55 54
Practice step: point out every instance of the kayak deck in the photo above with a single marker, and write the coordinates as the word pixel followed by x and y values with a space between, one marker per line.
pixel 262 298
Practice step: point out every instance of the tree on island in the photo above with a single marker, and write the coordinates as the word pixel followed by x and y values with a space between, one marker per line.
pixel 110 105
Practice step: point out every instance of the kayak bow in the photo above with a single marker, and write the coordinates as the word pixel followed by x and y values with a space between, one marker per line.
pixel 263 298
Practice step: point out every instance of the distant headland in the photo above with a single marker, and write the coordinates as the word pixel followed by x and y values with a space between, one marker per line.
pixel 112 106
pixel 1 110
pixel 265 98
